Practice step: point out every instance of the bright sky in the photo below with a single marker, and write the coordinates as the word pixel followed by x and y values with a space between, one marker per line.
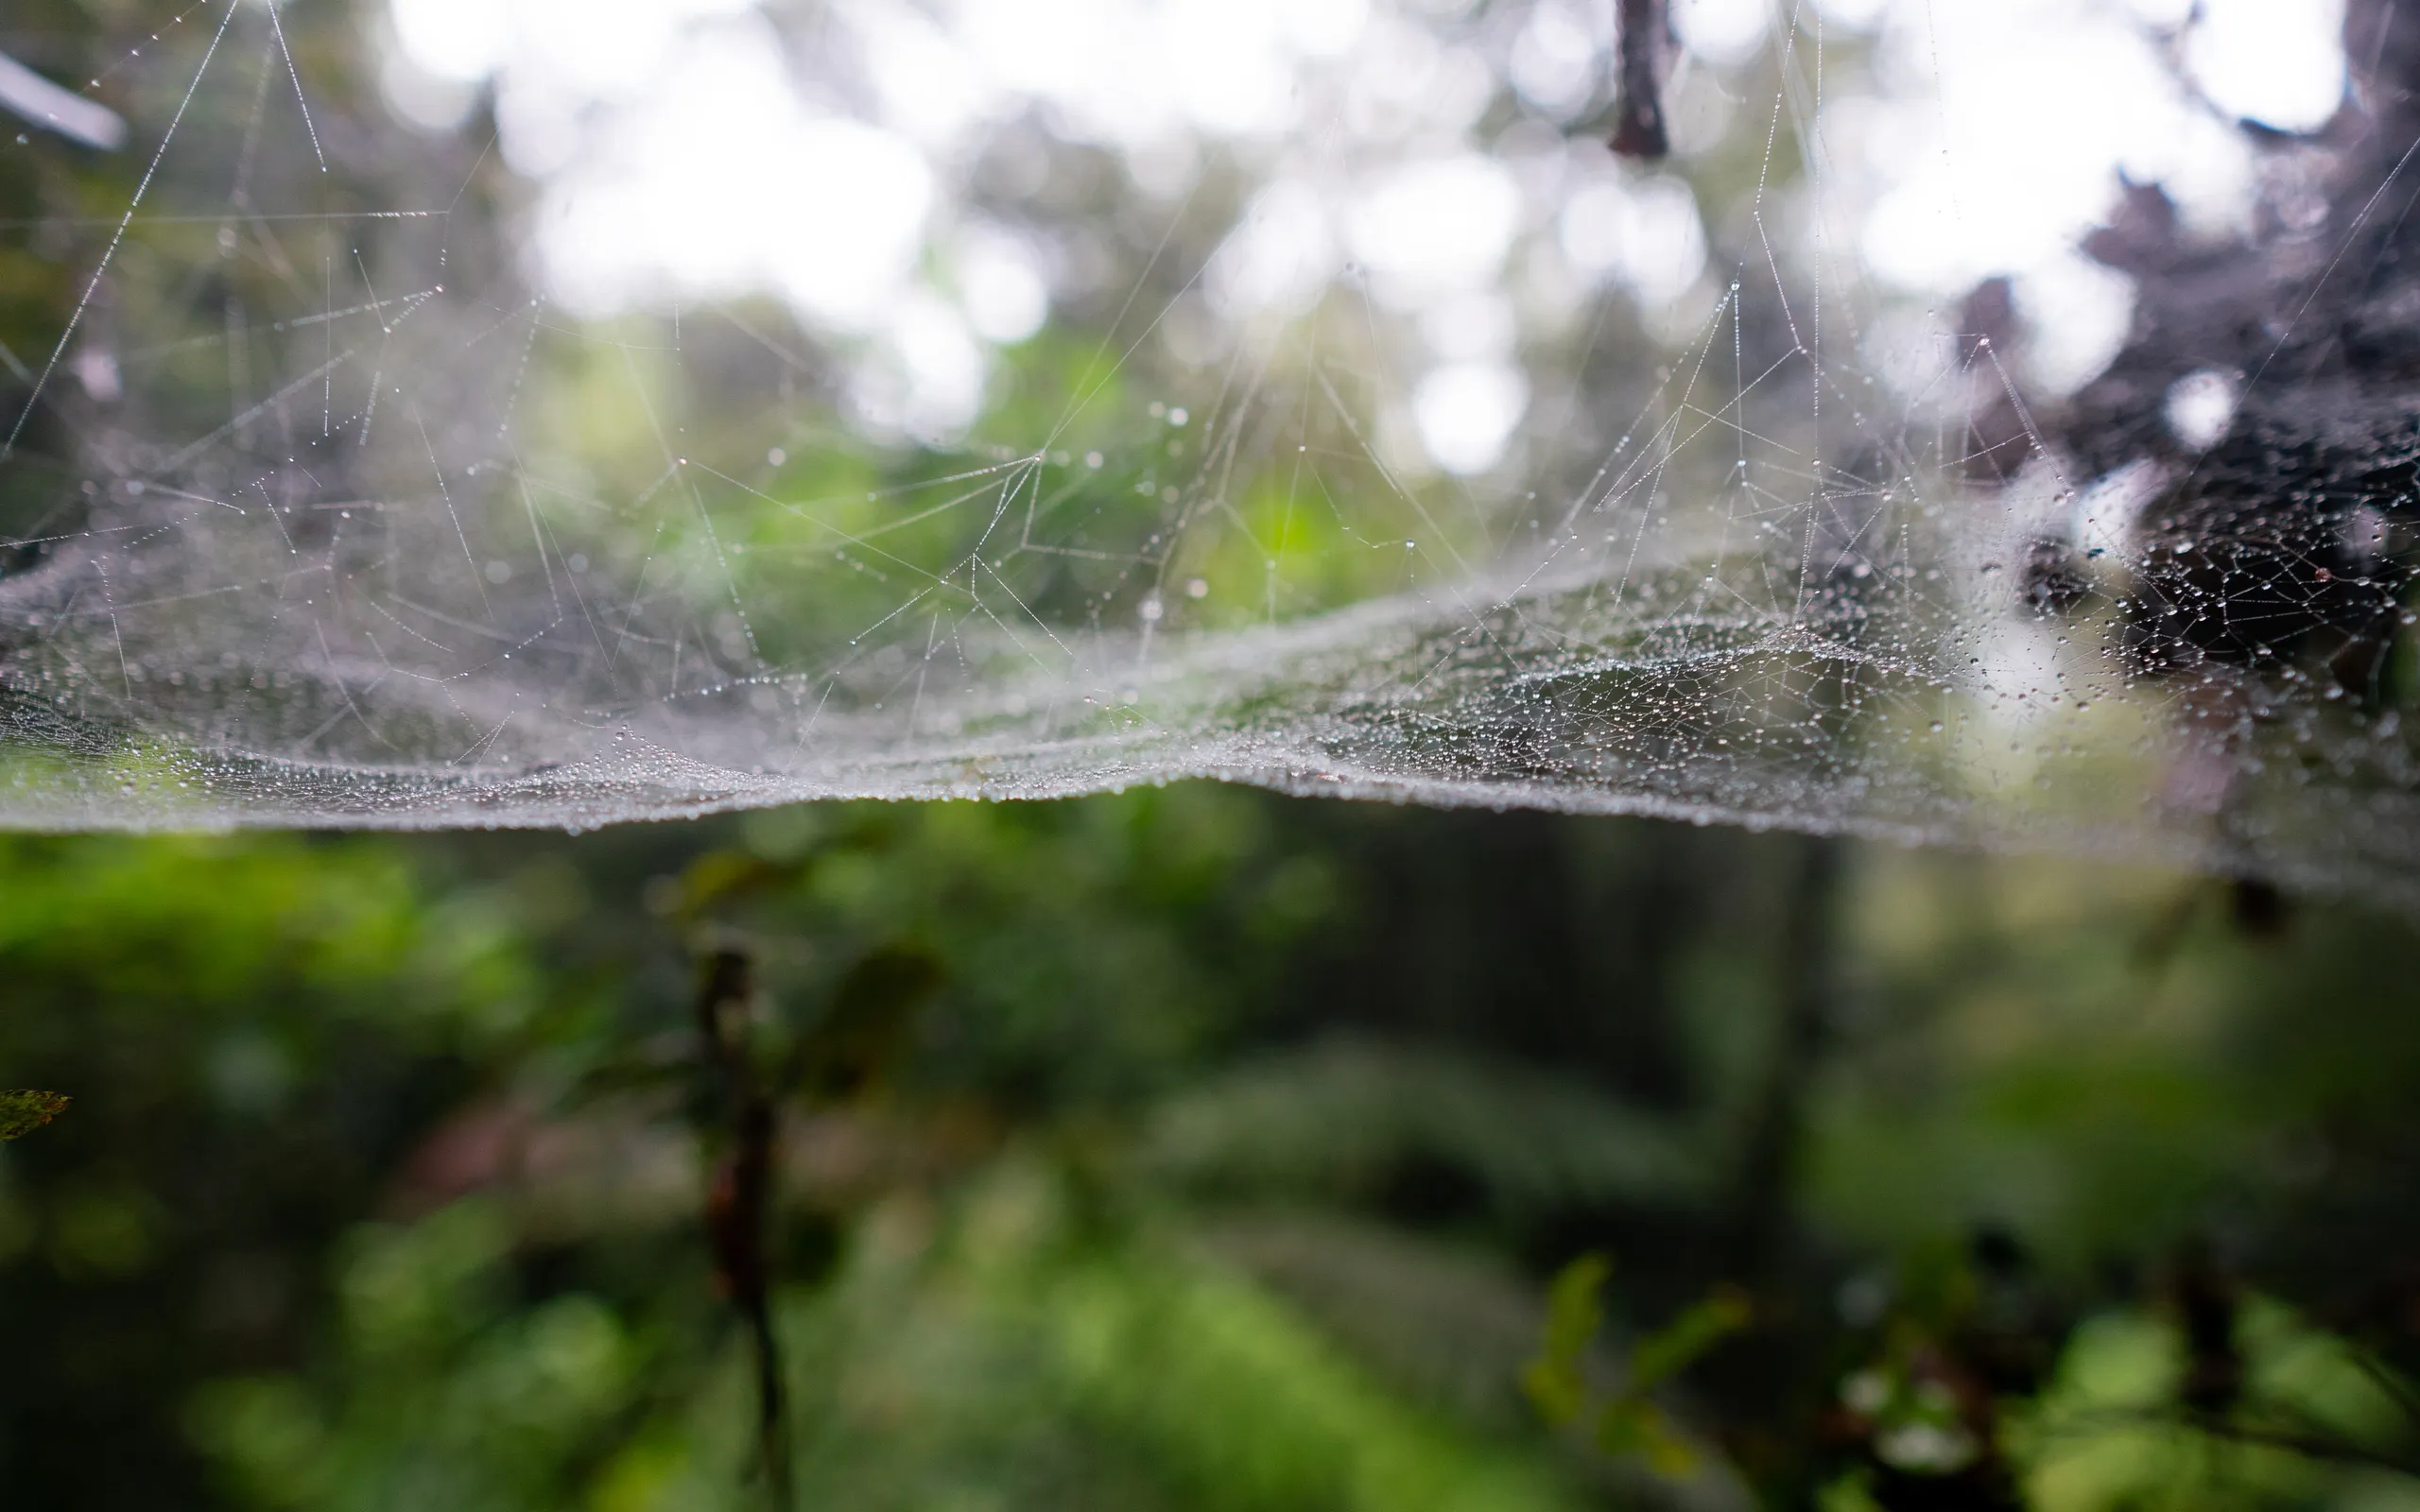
pixel 685 149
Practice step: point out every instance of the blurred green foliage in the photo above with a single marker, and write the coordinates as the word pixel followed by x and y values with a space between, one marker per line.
pixel 1196 1148
pixel 1183 1148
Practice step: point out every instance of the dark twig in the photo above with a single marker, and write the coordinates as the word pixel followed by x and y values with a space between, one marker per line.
pixel 737 1198
pixel 1639 132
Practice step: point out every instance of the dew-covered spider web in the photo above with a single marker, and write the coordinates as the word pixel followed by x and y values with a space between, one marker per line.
pixel 437 414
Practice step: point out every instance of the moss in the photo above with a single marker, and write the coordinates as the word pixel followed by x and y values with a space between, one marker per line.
pixel 24 1111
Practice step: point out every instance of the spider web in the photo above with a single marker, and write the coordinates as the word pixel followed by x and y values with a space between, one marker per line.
pixel 324 508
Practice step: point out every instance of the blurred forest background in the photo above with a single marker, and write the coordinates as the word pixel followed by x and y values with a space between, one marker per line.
pixel 1189 1147
pixel 1198 1147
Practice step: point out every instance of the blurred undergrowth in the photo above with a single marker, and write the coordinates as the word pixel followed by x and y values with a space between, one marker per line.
pixel 1192 1147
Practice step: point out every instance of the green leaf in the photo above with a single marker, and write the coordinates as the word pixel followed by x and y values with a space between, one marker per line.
pixel 1575 1311
pixel 25 1110
pixel 1635 1425
pixel 1679 1344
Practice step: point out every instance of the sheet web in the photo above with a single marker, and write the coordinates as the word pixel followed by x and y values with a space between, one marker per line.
pixel 327 508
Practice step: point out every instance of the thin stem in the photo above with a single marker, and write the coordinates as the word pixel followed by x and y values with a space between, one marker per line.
pixel 739 1199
